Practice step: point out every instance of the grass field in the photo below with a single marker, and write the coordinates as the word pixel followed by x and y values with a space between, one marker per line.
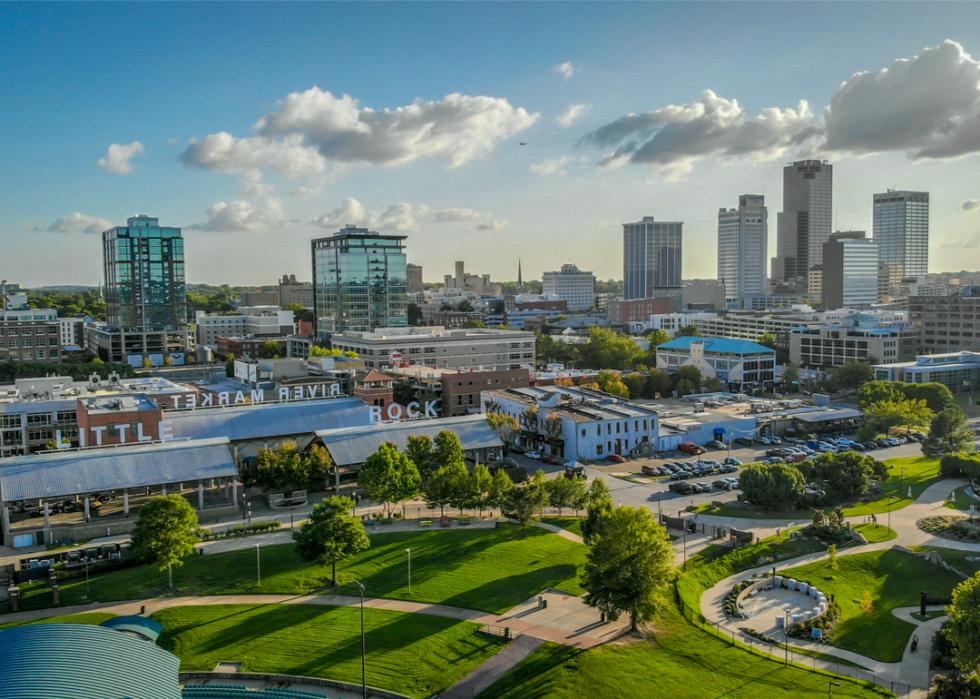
pixel 413 654
pixel 572 524
pixel 962 501
pixel 967 562
pixel 488 569
pixel 894 579
pixel 875 534
pixel 83 618
pixel 679 662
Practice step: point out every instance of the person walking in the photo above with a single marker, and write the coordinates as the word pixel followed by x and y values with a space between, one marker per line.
pixel 915 642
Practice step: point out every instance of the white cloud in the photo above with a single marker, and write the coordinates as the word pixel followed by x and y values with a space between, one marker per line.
pixel 682 134
pixel 224 153
pixel 566 70
pixel 971 204
pixel 927 105
pixel 117 158
pixel 553 166
pixel 80 223
pixel 458 128
pixel 240 215
pixel 403 217
pixel 573 114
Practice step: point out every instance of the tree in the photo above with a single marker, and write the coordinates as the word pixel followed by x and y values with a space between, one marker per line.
pixel 844 475
pixel 936 395
pixel 948 433
pixel 964 625
pixel 636 383
pixel 500 488
pixel 474 323
pixel 658 383
pixel 389 476
pixel 420 450
pixel 657 337
pixel 878 392
pixel 628 567
pixel 712 384
pixel 505 426
pixel 690 376
pixel 767 339
pixel 462 486
pixel 523 503
pixel 599 504
pixel 553 429
pixel 610 382
pixel 464 306
pixel 884 415
pixel 850 377
pixel 775 486
pixel 580 495
pixel 791 374
pixel 166 533
pixel 414 314
pixel 688 331
pixel 561 492
pixel 331 534
pixel 606 349
pixel 438 488
pixel 482 487
pixel 447 449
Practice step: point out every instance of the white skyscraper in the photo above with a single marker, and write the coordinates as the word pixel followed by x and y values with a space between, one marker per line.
pixel 901 230
pixel 571 285
pixel 743 239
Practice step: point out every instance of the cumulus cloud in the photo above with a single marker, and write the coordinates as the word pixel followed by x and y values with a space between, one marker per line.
pixel 404 216
pixel 242 216
pixel 566 70
pixel 927 105
pixel 573 114
pixel 553 166
pixel 224 153
pixel 971 204
pixel 78 222
pixel 118 156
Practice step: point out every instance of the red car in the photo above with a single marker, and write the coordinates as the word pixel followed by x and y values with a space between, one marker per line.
pixel 690 448
pixel 551 459
pixel 617 458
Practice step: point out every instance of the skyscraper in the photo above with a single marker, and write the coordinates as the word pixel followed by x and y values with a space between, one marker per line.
pixel 743 239
pixel 652 258
pixel 573 286
pixel 804 224
pixel 359 281
pixel 850 266
pixel 146 297
pixel 901 229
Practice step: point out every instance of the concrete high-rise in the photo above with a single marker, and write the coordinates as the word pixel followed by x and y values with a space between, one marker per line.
pixel 571 285
pixel 850 271
pixel 359 281
pixel 651 258
pixel 146 296
pixel 414 275
pixel 743 239
pixel 804 224
pixel 901 229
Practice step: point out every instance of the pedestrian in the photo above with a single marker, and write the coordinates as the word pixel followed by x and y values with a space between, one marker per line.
pixel 915 642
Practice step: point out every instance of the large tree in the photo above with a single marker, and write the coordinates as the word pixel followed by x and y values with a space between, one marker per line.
pixel 879 391
pixel 964 625
pixel 948 433
pixel 884 415
pixel 523 503
pixel 599 504
pixel 607 349
pixel 389 476
pixel 658 383
pixel 500 488
pixel 331 534
pixel 775 487
pixel 166 533
pixel 851 376
pixel 628 568
pixel 561 492
pixel 422 453
pixel 447 449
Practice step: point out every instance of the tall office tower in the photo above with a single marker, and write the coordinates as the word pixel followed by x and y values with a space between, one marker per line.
pixel 804 224
pixel 359 281
pixel 901 229
pixel 850 266
pixel 743 239
pixel 413 274
pixel 652 258
pixel 146 298
pixel 571 285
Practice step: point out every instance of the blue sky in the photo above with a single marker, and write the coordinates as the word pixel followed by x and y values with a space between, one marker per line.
pixel 77 78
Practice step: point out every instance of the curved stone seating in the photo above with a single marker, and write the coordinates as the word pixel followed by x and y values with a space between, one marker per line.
pixel 819 608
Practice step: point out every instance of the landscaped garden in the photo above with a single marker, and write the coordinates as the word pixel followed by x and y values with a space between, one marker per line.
pixel 487 569
pixel 413 654
pixel 679 661
pixel 867 586
pixel 952 527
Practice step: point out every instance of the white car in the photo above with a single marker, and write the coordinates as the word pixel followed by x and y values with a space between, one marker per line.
pixel 536 455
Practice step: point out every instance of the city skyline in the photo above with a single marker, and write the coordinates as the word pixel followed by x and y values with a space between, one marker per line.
pixel 265 150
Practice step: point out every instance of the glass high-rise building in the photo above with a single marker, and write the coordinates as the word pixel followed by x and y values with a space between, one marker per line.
pixel 651 258
pixel 743 241
pixel 805 222
pixel 901 229
pixel 850 271
pixel 359 281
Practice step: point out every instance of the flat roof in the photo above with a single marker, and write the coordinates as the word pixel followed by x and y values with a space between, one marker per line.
pixel 723 345
pixel 70 472
pixel 828 414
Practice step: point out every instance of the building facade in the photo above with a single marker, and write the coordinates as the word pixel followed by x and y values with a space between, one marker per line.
pixel 901 228
pixel 572 285
pixel 741 365
pixel 804 224
pixel 457 391
pixel 438 346
pixel 258 321
pixel 651 257
pixel 293 292
pixel 743 244
pixel 850 271
pixel 30 335
pixel 858 337
pixel 413 274
pixel 958 371
pixel 947 323
pixel 359 281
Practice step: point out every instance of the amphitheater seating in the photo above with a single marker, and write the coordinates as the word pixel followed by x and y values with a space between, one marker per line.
pixel 238 691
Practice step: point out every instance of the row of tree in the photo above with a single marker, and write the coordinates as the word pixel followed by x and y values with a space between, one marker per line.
pixel 842 476
pixel 890 404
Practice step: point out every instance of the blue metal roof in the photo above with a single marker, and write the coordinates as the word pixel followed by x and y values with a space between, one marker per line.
pixel 57 474
pixel 354 445
pixel 142 626
pixel 79 661
pixel 724 345
pixel 270 420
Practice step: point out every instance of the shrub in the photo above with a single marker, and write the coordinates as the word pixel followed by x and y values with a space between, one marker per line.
pixel 961 463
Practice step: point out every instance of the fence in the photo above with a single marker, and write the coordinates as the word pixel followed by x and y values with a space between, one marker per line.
pixel 781 653
pixel 494 630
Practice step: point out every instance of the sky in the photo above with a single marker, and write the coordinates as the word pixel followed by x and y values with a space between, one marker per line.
pixel 484 132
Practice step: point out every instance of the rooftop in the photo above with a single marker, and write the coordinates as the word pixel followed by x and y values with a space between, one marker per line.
pixel 718 345
pixel 429 331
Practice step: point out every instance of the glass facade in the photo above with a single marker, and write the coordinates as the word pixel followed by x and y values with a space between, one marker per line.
pixel 743 243
pixel 359 281
pixel 144 276
pixel 651 257
pixel 901 229
pixel 804 224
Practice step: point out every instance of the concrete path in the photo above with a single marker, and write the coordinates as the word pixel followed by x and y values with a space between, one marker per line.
pixel 554 529
pixel 914 667
pixel 493 669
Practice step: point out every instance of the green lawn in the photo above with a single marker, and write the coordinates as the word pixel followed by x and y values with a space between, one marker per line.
pixel 875 534
pixel 488 569
pixel 413 654
pixel 680 661
pixel 572 524
pixel 83 618
pixel 967 562
pixel 962 502
pixel 894 579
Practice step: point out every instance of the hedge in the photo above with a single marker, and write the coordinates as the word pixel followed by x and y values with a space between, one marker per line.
pixel 961 463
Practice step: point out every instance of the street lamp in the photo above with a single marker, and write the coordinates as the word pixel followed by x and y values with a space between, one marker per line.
pixel 684 532
pixel 786 637
pixel 258 566
pixel 830 689
pixel 409 552
pixel 360 587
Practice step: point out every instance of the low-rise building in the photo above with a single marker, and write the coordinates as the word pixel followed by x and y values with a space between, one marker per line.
pixel 741 365
pixel 958 371
pixel 457 390
pixel 438 346
pixel 858 337
pixel 946 323
pixel 257 321
pixel 29 335
pixel 626 311
pixel 293 292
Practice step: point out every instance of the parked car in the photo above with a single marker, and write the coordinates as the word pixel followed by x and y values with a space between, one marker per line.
pixel 764 440
pixel 551 459
pixel 681 487
pixel 728 468
pixel 773 460
pixel 731 461
pixel 574 470
pixel 734 482
pixel 690 448
pixel 703 487
pixel 651 470
pixel 870 445
pixel 681 475
pixel 536 455
pixel 743 441
pixel 616 458
pixel 722 484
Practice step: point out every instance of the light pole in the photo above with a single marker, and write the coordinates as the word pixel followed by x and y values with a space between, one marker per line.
pixel 786 638
pixel 830 689
pixel 409 552
pixel 360 587
pixel 258 566
pixel 685 549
